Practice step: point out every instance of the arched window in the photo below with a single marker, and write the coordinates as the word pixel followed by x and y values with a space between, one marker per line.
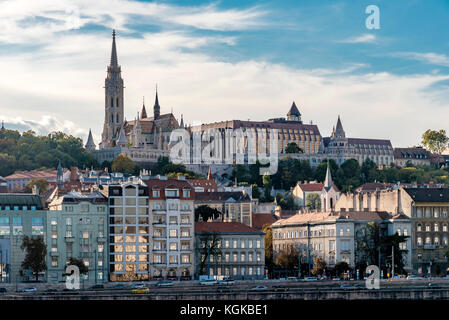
pixel 444 227
pixel 117 118
pixel 427 227
pixel 436 213
pixel 428 240
pixel 419 241
pixel 418 227
pixel 419 213
pixel 112 102
pixel 116 103
pixel 435 227
pixel 445 241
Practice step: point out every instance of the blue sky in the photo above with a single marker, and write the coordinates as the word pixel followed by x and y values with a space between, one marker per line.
pixel 222 60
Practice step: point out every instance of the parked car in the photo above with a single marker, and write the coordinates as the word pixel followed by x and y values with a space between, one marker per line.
pixel 208 282
pixel 223 289
pixel 291 279
pixel 29 289
pixel 141 290
pixel 413 277
pixel 164 283
pixel 433 285
pixel 279 288
pixel 259 288
pixel 311 279
pixel 97 287
pixel 138 285
pixel 227 281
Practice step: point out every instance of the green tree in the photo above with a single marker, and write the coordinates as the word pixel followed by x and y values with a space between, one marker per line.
pixel 36 251
pixel 255 191
pixel 208 245
pixel 7 164
pixel 41 184
pixel 293 148
pixel 123 164
pixel 341 267
pixel 313 201
pixel 319 265
pixel 267 184
pixel 80 264
pixel 435 141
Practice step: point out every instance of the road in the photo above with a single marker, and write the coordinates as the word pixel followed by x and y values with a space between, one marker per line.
pixel 240 287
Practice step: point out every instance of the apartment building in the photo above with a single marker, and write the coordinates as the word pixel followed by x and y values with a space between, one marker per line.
pixel 20 215
pixel 129 231
pixel 77 228
pixel 240 250
pixel 171 204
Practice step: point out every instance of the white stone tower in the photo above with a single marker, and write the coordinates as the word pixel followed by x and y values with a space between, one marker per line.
pixel 114 109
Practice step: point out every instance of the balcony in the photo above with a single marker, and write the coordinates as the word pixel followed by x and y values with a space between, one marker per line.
pixel 101 239
pixel 430 246
pixel 162 222
pixel 161 211
pixel 69 239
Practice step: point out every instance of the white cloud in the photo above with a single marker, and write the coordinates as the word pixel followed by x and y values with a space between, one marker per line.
pixel 428 57
pixel 364 38
pixel 27 21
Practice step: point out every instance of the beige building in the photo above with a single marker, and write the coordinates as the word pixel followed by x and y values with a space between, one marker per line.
pixel 417 156
pixel 428 210
pixel 330 235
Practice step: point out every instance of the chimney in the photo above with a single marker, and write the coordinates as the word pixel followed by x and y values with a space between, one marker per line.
pixel 377 199
pixel 399 207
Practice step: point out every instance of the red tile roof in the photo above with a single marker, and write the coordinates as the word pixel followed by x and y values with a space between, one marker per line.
pixel 261 219
pixel 208 185
pixel 312 187
pixel 224 227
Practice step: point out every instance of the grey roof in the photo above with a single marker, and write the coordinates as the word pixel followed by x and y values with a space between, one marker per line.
pixel 428 194
pixel 90 141
pixel 21 199
pixel 293 110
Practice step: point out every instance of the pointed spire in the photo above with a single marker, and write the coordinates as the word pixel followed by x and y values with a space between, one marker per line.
pixel 90 145
pixel 122 141
pixel 181 124
pixel 156 108
pixel 294 110
pixel 209 174
pixel 3 126
pixel 143 114
pixel 339 132
pixel 114 61
pixel 328 181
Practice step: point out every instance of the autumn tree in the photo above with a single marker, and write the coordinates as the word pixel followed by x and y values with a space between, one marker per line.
pixel 435 141
pixel 41 184
pixel 319 265
pixel 266 228
pixel 36 250
pixel 288 258
pixel 123 164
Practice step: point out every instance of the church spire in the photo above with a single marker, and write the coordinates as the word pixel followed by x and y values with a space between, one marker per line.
pixel 339 132
pixel 90 145
pixel 114 61
pixel 328 181
pixel 156 108
pixel 143 114
pixel 181 124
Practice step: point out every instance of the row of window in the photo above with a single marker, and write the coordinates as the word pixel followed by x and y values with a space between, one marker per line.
pixel 235 257
pixel 428 241
pixel 17 208
pixel 437 212
pixel 37 226
pixel 234 244
pixel 436 227
pixel 236 271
